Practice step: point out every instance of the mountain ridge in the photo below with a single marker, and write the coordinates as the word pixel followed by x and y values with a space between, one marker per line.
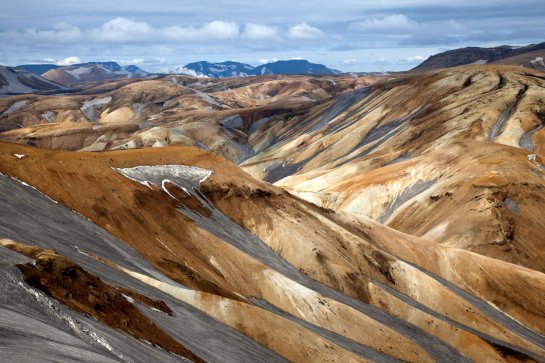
pixel 92 71
pixel 409 205
pixel 476 55
pixel 238 69
pixel 17 81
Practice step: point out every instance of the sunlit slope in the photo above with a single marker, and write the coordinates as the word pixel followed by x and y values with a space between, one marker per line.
pixel 450 155
pixel 248 259
pixel 234 117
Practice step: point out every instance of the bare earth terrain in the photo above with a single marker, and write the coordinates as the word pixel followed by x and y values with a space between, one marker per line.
pixel 276 218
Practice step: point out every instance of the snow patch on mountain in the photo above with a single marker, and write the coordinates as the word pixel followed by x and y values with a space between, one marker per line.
pixel 88 108
pixel 14 107
pixel 538 62
pixel 236 69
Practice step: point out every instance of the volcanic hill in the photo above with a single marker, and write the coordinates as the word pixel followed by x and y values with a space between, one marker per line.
pixel 530 56
pixel 277 218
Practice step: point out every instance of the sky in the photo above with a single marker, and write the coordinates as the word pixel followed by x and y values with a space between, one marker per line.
pixel 350 35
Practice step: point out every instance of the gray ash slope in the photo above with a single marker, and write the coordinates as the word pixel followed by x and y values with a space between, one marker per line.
pixel 34 326
pixel 16 81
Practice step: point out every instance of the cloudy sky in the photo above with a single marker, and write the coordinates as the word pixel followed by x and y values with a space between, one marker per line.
pixel 350 35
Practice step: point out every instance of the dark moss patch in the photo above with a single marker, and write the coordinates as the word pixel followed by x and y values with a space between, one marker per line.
pixel 86 293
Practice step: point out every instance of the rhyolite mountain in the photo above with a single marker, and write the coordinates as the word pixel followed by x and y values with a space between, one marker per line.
pixel 236 69
pixel 18 81
pixel 131 70
pixel 276 218
pixel 91 72
pixel 469 55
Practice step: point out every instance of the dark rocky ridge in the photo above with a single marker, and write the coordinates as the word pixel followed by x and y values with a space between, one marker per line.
pixel 469 55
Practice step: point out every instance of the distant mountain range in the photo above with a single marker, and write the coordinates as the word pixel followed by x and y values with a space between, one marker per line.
pixel 19 81
pixel 38 69
pixel 30 78
pixel 530 56
pixel 236 69
pixel 84 72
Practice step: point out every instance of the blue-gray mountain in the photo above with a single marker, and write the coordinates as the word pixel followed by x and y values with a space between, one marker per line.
pixel 92 72
pixel 236 69
pixel 17 81
pixel 131 70
pixel 38 69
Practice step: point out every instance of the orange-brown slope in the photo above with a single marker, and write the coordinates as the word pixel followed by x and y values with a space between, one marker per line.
pixel 415 153
pixel 148 220
pixel 61 77
pixel 171 110
pixel 163 229
pixel 175 239
pixel 331 252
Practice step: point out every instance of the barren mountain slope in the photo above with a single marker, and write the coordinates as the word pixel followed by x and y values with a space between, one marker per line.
pixel 17 81
pixel 92 72
pixel 451 155
pixel 216 115
pixel 246 269
pixel 529 60
pixel 454 147
pixel 477 55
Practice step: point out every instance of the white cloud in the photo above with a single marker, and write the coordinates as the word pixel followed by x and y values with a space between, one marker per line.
pixel 263 60
pixel 133 61
pixel 220 30
pixel 260 32
pixel 61 62
pixel 415 58
pixel 215 30
pixel 396 23
pixel 296 58
pixel 69 61
pixel 140 61
pixel 267 60
pixel 59 33
pixel 122 30
pixel 304 31
pixel 350 61
pixel 401 61
pixel 44 61
pixel 182 70
pixel 159 60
